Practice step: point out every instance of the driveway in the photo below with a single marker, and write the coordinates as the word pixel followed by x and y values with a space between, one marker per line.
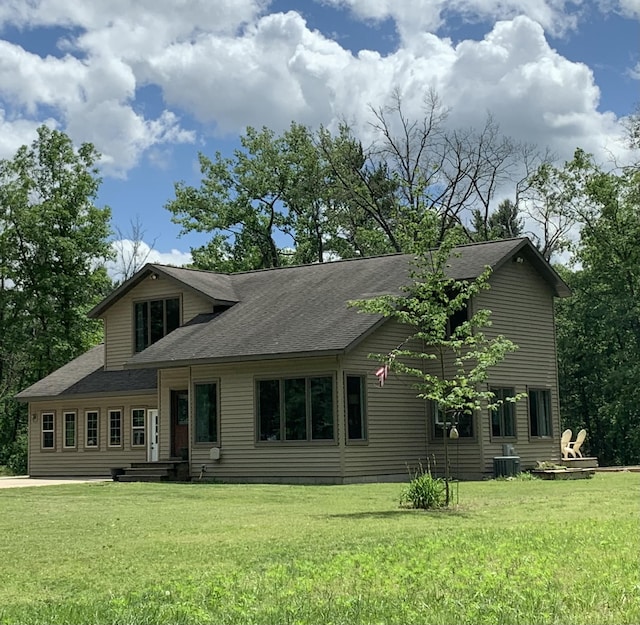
pixel 17 481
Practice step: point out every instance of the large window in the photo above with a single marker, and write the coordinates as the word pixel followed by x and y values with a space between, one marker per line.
pixel 69 429
pixel 356 415
pixel 295 409
pixel 539 412
pixel 91 429
pixel 503 422
pixel 206 417
pixel 115 428
pixel 463 420
pixel 137 427
pixel 48 430
pixel 155 319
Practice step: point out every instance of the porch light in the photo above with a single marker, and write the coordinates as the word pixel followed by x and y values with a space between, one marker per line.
pixel 454 435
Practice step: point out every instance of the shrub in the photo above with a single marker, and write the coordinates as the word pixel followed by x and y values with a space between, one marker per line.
pixel 424 491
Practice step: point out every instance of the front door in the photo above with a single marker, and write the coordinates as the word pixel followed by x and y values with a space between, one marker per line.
pixel 180 424
pixel 154 435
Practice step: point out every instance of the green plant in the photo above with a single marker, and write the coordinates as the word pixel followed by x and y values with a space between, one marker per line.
pixel 424 491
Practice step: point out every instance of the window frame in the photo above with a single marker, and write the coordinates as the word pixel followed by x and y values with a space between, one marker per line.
pixel 137 428
pixel 547 393
pixel 52 430
pixel 65 414
pixel 508 391
pixel 149 322
pixel 86 429
pixel 435 420
pixel 120 444
pixel 309 440
pixel 195 441
pixel 364 425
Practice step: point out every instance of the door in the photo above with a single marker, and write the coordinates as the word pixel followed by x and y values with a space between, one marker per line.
pixel 153 427
pixel 180 424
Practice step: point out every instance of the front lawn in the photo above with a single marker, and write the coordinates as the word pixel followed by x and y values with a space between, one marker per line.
pixel 511 552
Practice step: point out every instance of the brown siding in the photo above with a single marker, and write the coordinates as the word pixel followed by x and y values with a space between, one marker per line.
pixel 118 320
pixel 83 461
pixel 522 309
pixel 242 458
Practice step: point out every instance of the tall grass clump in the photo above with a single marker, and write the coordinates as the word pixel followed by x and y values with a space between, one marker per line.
pixel 424 491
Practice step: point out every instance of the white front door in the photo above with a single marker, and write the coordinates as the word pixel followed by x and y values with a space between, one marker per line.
pixel 154 435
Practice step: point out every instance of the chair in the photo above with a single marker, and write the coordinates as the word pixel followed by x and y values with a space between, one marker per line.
pixel 574 448
pixel 565 444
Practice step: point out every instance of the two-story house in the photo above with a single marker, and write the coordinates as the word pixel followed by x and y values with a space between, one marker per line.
pixel 266 376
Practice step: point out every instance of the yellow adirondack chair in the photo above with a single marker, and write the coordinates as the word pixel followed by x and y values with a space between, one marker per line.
pixel 574 448
pixel 565 444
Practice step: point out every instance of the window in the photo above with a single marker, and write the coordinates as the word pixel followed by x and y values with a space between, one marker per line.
pixel 115 428
pixel 69 429
pixel 503 422
pixel 206 402
pixel 295 409
pixel 48 430
pixel 456 319
pixel 91 428
pixel 540 412
pixel 356 421
pixel 463 420
pixel 155 319
pixel 137 427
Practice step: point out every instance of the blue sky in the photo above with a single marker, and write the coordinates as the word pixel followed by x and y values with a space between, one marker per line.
pixel 153 82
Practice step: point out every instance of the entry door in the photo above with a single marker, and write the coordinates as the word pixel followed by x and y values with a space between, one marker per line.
pixel 180 424
pixel 153 427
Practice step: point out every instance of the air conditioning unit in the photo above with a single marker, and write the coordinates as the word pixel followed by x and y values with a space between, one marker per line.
pixel 506 466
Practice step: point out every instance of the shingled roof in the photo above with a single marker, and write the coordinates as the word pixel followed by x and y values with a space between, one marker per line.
pixel 85 375
pixel 303 310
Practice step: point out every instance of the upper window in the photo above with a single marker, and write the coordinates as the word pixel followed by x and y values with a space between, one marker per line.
pixel 69 429
pixel 503 422
pixel 137 427
pixel 91 428
pixel 539 412
pixel 206 409
pixel 155 319
pixel 356 415
pixel 295 409
pixel 48 430
pixel 463 420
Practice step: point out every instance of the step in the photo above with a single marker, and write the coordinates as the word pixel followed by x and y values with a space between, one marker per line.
pixel 143 477
pixel 148 470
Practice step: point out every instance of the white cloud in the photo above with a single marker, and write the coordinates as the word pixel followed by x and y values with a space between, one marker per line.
pixel 132 255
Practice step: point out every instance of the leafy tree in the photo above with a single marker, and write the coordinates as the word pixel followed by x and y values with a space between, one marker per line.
pixel 456 361
pixel 53 240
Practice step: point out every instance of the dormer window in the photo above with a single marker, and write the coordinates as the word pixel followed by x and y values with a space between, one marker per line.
pixel 155 319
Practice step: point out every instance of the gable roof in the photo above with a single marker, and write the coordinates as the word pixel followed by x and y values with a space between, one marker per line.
pixel 303 310
pixel 85 375
pixel 216 287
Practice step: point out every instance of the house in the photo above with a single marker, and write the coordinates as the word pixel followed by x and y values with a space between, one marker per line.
pixel 265 376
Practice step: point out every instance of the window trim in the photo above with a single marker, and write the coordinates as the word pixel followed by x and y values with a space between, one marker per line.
pixel 434 421
pixel 365 413
pixel 291 442
pixel 512 405
pixel 110 445
pixel 52 414
pixel 65 414
pixel 87 412
pixel 142 427
pixel 205 444
pixel 148 300
pixel 537 389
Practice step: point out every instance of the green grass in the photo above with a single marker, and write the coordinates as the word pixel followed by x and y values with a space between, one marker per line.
pixel 511 552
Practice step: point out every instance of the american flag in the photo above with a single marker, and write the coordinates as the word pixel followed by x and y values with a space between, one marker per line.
pixel 382 374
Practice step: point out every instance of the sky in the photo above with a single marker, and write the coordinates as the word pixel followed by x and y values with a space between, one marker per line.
pixel 151 83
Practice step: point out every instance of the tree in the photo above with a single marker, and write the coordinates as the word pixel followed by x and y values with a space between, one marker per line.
pixel 53 242
pixel 448 361
pixel 131 251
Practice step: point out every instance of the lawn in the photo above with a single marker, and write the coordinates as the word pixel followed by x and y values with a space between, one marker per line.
pixel 511 552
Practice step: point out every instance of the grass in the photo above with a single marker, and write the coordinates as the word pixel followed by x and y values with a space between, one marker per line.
pixel 511 552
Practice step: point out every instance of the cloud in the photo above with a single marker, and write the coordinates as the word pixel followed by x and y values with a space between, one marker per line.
pixel 131 256
pixel 224 65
